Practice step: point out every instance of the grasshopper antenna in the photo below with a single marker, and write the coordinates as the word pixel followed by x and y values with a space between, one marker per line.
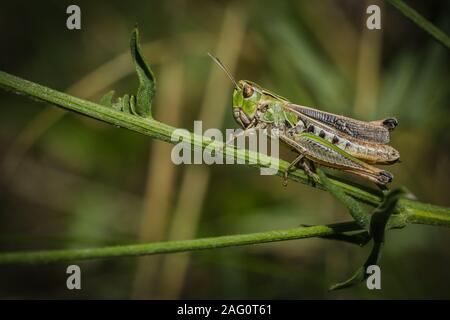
pixel 221 66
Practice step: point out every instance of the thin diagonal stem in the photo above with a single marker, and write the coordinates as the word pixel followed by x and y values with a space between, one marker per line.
pixel 423 23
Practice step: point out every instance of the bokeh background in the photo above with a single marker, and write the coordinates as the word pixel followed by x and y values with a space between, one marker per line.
pixel 67 181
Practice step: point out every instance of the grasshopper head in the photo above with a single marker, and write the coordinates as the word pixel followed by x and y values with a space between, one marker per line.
pixel 246 98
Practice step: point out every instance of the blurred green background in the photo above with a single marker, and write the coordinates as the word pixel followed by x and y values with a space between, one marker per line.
pixel 67 181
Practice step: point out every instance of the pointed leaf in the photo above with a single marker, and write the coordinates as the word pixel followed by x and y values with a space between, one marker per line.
pixel 357 278
pixel 147 82
pixel 106 100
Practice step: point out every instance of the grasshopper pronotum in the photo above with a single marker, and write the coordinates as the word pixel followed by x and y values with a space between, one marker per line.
pixel 319 137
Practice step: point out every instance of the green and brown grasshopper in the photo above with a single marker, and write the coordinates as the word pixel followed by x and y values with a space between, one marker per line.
pixel 319 137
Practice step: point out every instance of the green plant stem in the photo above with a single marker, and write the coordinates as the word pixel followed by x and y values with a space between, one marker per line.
pixel 176 246
pixel 423 23
pixel 408 211
pixel 423 213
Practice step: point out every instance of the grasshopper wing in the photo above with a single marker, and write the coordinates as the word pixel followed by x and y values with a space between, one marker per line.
pixel 374 131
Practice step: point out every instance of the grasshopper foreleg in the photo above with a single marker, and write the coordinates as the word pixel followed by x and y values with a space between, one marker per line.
pixel 307 165
pixel 234 136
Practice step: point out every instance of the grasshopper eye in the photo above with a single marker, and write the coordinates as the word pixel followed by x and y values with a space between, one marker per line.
pixel 247 92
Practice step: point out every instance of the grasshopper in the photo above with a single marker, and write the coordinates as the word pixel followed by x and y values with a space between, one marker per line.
pixel 318 137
